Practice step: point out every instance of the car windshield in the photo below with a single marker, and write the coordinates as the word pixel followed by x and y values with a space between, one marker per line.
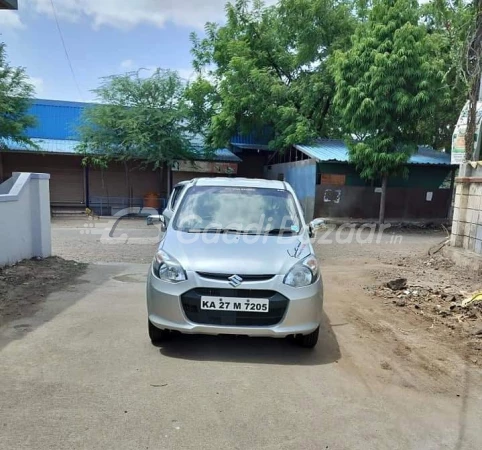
pixel 210 209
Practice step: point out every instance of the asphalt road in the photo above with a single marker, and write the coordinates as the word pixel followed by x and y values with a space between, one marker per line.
pixel 82 374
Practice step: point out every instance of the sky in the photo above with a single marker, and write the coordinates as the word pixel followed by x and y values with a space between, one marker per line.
pixel 102 37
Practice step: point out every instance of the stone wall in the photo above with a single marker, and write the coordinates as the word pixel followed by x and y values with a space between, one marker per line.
pixel 467 217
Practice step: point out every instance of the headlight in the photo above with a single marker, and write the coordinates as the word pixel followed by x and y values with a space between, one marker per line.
pixel 168 268
pixel 303 273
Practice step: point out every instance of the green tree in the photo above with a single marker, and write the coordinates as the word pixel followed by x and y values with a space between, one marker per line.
pixel 15 100
pixel 472 72
pixel 449 24
pixel 386 82
pixel 266 68
pixel 145 119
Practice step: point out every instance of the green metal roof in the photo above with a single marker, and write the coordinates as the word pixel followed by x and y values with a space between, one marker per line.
pixel 335 150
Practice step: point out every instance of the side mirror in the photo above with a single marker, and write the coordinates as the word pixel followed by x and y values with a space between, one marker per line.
pixel 314 225
pixel 162 219
pixel 157 218
pixel 311 232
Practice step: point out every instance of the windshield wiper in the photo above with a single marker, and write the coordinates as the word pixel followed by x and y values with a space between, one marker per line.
pixel 234 230
pixel 276 231
pixel 201 230
pixel 217 230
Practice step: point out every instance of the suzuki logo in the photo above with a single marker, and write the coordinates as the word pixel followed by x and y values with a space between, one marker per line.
pixel 235 280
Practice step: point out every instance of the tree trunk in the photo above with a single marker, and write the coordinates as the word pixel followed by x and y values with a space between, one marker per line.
pixel 169 180
pixel 128 191
pixel 383 197
pixel 473 72
pixel 161 179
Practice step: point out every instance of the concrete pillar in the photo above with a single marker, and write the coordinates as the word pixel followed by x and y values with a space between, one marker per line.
pixel 41 232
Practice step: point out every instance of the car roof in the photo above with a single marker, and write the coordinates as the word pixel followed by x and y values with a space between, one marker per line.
pixel 183 183
pixel 240 182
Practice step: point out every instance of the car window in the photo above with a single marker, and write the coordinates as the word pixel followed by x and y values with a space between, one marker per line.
pixel 176 194
pixel 254 210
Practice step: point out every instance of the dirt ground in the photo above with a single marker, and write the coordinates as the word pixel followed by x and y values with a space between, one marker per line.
pixel 424 345
pixel 426 314
pixel 25 285
pixel 429 304
pixel 433 298
pixel 393 368
pixel 104 240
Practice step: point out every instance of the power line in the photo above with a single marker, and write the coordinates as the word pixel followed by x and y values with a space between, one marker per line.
pixel 65 50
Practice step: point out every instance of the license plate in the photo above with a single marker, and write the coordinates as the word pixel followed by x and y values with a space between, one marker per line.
pixel 235 304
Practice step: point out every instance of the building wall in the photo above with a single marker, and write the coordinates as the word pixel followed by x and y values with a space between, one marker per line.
pixel 24 218
pixel 67 187
pixel 361 202
pixel 68 181
pixel 120 186
pixel 352 178
pixel 117 181
pixel 467 217
pixel 427 177
pixel 253 163
pixel 301 175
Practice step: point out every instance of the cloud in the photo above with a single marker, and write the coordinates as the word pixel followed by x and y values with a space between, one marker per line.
pixel 126 14
pixel 10 20
pixel 38 84
pixel 127 64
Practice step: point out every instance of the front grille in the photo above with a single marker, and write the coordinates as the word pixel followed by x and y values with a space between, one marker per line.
pixel 225 276
pixel 191 303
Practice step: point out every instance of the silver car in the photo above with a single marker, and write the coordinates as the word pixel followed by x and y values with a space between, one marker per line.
pixel 236 259
pixel 172 202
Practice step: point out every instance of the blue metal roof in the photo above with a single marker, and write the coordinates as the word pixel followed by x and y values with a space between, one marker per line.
pixel 427 155
pixel 251 146
pixel 61 146
pixel 67 146
pixel 326 150
pixel 56 119
pixel 56 132
pixel 255 139
pixel 221 154
pixel 56 129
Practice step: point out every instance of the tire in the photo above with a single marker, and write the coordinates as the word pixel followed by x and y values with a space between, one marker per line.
pixel 157 335
pixel 308 340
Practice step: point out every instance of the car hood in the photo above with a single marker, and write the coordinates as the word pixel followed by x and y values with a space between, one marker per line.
pixel 236 253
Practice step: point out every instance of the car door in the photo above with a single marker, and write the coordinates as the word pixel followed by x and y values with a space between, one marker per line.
pixel 172 202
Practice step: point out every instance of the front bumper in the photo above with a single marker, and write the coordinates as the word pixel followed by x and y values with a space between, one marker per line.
pixel 166 311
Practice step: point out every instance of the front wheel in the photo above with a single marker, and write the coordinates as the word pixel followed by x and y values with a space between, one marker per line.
pixel 308 340
pixel 156 334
